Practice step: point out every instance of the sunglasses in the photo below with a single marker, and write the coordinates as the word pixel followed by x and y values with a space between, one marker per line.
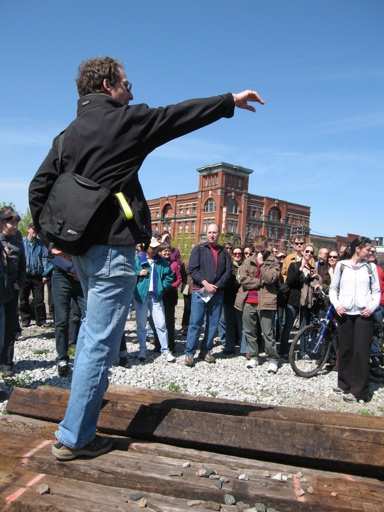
pixel 334 257
pixel 237 253
pixel 299 243
pixel 308 251
pixel 247 253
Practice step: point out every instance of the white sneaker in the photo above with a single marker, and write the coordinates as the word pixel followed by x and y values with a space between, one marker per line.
pixel 272 368
pixel 142 354
pixel 170 357
pixel 252 363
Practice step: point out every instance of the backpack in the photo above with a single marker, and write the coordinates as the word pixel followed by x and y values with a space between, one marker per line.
pixel 75 211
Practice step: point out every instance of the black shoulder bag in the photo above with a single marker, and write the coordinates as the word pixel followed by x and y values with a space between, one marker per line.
pixel 75 211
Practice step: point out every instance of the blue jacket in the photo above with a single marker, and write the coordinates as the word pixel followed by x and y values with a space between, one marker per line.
pixel 201 266
pixel 163 279
pixel 36 262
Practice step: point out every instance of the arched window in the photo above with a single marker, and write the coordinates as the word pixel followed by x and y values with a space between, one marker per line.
pixel 274 214
pixel 210 206
pixel 232 206
pixel 167 210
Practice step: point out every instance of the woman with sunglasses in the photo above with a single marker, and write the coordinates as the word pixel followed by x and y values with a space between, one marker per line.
pixel 355 294
pixel 302 279
pixel 333 361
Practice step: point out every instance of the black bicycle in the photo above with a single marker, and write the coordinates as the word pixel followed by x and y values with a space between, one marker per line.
pixel 311 346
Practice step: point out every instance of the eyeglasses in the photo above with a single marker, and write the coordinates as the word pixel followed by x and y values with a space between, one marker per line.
pixel 372 251
pixel 332 256
pixel 237 254
pixel 299 243
pixel 308 251
pixel 127 85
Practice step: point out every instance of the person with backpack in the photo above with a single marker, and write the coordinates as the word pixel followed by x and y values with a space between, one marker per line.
pixel 107 144
pixel 355 294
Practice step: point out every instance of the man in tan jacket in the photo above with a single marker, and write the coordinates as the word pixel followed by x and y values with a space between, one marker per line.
pixel 259 277
pixel 298 242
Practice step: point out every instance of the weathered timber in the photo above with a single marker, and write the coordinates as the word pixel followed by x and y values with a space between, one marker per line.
pixel 345 442
pixel 106 483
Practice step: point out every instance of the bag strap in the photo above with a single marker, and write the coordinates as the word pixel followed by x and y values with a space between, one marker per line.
pixel 60 150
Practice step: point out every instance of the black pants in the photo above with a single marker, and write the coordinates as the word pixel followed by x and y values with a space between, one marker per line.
pixel 34 285
pixel 10 309
pixel 355 336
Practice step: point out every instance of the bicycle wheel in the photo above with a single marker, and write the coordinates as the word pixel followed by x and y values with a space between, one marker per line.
pixel 307 356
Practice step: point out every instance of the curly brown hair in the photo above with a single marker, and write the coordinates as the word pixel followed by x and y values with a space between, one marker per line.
pixel 93 71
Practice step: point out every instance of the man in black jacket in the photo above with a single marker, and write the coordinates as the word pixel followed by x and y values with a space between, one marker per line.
pixel 107 143
pixel 210 269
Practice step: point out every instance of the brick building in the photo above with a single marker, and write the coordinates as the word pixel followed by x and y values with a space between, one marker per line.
pixel 223 198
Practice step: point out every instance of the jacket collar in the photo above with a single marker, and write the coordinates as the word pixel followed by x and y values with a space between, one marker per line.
pixel 95 100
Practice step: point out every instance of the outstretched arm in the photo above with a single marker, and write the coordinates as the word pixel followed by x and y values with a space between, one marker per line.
pixel 241 100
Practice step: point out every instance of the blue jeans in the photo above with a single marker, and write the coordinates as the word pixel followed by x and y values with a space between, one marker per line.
pixel 108 278
pixel 64 289
pixel 210 312
pixel 156 309
pixel 291 313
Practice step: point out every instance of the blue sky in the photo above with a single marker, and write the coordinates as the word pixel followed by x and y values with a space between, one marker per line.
pixel 319 66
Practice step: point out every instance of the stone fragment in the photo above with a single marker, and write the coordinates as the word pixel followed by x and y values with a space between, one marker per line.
pixel 284 478
pixel 186 465
pixel 271 509
pixel 278 477
pixel 260 507
pixel 219 484
pixel 310 490
pixel 263 483
pixel 142 502
pixel 43 489
pixel 224 479
pixel 242 507
pixel 135 496
pixel 299 474
pixel 333 494
pixel 244 476
pixel 300 492
pixel 175 473
pixel 214 477
pixel 201 472
pixel 193 503
pixel 303 480
pixel 266 474
pixel 229 499
pixel 211 505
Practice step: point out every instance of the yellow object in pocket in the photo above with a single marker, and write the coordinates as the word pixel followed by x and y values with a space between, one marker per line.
pixel 123 203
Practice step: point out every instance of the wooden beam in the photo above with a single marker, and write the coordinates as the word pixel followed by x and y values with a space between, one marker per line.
pixel 334 441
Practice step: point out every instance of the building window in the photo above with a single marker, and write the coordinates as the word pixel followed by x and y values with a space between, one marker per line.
pixel 167 210
pixel 186 227
pixel 210 206
pixel 187 209
pixel 274 214
pixel 180 227
pixel 194 208
pixel 232 206
pixel 193 226
pixel 232 226
pixel 181 209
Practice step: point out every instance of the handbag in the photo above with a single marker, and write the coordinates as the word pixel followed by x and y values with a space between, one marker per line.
pixel 6 286
pixel 75 211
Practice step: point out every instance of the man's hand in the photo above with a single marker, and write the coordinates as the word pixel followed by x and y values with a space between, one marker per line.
pixel 58 252
pixel 241 100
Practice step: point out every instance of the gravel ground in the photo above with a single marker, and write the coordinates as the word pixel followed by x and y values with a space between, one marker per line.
pixel 229 378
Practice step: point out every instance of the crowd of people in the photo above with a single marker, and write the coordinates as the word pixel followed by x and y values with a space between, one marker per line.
pixel 229 291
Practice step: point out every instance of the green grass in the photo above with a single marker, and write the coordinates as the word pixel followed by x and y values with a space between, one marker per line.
pixel 41 352
pixel 71 352
pixel 365 412
pixel 17 382
pixel 176 388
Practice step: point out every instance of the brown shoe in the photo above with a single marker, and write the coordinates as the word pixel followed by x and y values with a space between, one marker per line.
pixel 189 361
pixel 208 358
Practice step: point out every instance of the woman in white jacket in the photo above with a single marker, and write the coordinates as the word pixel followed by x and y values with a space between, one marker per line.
pixel 355 294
